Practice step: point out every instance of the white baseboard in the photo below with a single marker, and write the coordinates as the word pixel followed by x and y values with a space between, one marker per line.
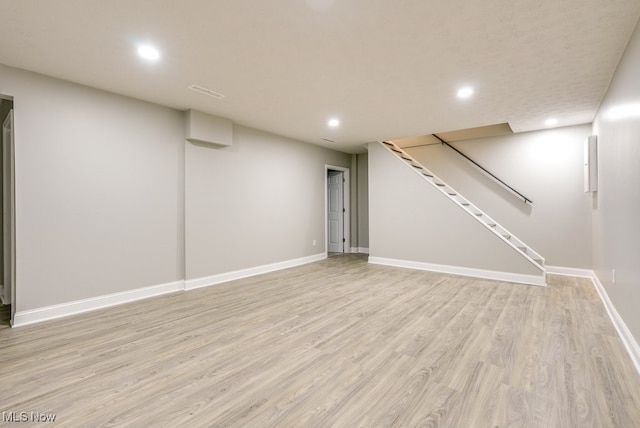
pixel 566 271
pixel 22 318
pixel 31 316
pixel 360 250
pixel 630 344
pixel 623 331
pixel 457 270
pixel 245 273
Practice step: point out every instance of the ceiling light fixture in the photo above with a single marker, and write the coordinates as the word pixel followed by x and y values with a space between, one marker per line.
pixel 551 122
pixel 333 123
pixel 148 52
pixel 465 92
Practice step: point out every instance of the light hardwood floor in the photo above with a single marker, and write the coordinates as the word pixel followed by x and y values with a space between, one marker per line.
pixel 338 343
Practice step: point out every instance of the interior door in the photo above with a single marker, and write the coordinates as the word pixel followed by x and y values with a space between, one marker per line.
pixel 335 215
pixel 8 218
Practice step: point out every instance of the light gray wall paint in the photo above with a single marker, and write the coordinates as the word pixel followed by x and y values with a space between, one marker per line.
pixel 359 201
pixel 547 167
pixel 363 200
pixel 256 202
pixel 616 206
pixel 410 220
pixel 354 198
pixel 5 108
pixel 98 191
pixel 101 188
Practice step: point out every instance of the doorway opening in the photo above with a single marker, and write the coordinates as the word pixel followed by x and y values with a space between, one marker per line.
pixel 337 212
pixel 7 213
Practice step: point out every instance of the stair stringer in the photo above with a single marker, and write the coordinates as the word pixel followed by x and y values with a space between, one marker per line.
pixel 396 200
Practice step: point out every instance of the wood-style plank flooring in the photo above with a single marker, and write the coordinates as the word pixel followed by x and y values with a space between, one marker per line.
pixel 338 343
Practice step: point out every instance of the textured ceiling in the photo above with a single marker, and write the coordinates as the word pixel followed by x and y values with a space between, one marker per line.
pixel 387 69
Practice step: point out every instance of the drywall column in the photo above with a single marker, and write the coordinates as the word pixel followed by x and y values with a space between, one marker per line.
pixel 257 202
pixel 363 202
pixel 354 201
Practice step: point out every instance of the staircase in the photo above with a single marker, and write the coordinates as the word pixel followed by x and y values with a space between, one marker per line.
pixel 527 252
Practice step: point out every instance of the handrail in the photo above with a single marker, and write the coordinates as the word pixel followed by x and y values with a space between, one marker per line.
pixel 485 171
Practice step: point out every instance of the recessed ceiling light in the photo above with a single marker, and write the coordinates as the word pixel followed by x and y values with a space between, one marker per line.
pixel 333 123
pixel 551 122
pixel 148 52
pixel 465 92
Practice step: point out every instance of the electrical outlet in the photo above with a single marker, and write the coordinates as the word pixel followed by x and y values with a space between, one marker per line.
pixel 314 242
pixel 613 276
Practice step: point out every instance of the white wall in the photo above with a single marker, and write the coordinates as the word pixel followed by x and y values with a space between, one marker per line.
pixel 354 177
pixel 5 108
pixel 412 221
pixel 363 200
pixel 103 198
pixel 98 191
pixel 616 207
pixel 547 167
pixel 359 203
pixel 257 202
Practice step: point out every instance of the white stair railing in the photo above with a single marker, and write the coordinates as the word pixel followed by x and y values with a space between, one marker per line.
pixel 526 251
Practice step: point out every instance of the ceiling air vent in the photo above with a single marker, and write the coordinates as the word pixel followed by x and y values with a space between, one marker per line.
pixel 206 91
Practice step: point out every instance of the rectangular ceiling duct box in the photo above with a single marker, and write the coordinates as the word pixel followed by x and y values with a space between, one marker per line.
pixel 205 128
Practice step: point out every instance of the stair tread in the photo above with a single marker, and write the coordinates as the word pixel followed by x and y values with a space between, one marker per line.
pixel 464 203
